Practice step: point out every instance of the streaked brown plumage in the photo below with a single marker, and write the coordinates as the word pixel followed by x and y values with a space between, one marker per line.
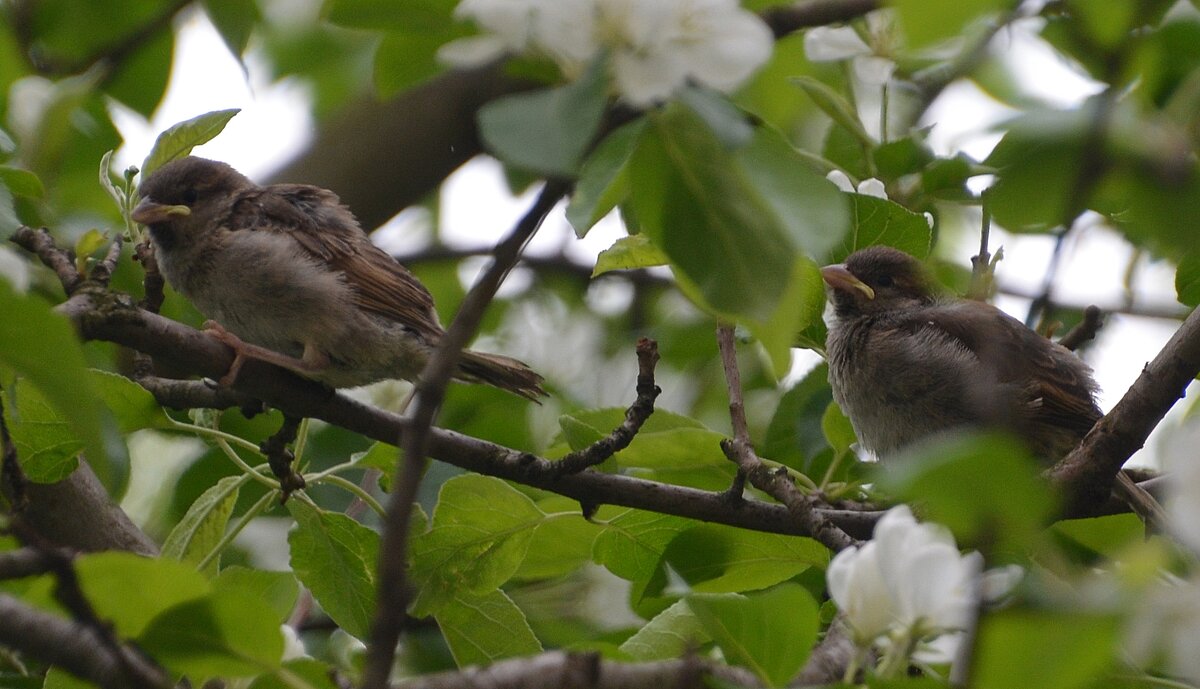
pixel 288 276
pixel 906 364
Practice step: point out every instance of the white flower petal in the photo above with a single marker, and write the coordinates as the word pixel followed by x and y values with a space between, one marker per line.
pixel 856 585
pixel 645 80
pixel 736 50
pixel 929 219
pixel 999 582
pixel 472 51
pixel 872 187
pixel 874 70
pixel 826 44
pixel 840 180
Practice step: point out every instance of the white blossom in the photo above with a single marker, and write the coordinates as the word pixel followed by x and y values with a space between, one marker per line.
pixel 909 582
pixel 655 46
pixel 1166 628
pixel 867 187
pixel 293 645
pixel 872 59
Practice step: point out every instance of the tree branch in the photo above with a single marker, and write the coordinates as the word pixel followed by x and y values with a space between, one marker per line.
pixel 429 391
pixel 635 416
pixel 573 670
pixel 77 648
pixel 1086 474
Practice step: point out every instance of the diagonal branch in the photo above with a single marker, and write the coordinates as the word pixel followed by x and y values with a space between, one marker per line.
pixel 393 596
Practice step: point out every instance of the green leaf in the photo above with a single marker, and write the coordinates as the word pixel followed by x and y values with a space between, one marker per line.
pixel 560 544
pixel 604 180
pixel 672 633
pixel 234 20
pixel 381 456
pixel 628 253
pixel 335 557
pixel 713 558
pixel 483 629
pixel 178 140
pixel 195 536
pixel 801 303
pixel 480 532
pixel 724 119
pixel 314 674
pixel 229 634
pixel 279 590
pixel 1019 649
pixel 632 543
pixel 880 221
pixel 407 57
pixel 838 108
pixel 130 590
pixel 40 345
pixel 733 232
pixel 1100 537
pixel 795 435
pixel 547 131
pixel 132 405
pixel 928 21
pixel 983 487
pixel 1187 279
pixel 836 427
pixel 46 446
pixel 21 182
pixel 770 632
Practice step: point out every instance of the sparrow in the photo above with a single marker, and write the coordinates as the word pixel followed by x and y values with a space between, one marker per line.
pixel 906 363
pixel 287 276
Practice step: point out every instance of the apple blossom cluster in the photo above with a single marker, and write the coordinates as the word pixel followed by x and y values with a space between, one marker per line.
pixel 654 47
pixel 910 587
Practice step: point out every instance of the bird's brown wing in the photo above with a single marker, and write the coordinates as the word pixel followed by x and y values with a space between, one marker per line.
pixel 327 230
pixel 1056 387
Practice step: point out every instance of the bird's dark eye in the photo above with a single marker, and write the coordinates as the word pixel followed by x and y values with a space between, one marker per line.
pixel 885 281
pixel 189 196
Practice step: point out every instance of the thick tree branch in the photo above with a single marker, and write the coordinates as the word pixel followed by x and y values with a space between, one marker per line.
pixel 77 648
pixel 1086 474
pixel 788 19
pixel 565 670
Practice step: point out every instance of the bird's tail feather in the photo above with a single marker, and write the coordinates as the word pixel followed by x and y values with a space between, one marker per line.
pixel 500 371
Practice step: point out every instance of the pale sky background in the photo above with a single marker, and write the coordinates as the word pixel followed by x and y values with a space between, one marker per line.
pixel 476 207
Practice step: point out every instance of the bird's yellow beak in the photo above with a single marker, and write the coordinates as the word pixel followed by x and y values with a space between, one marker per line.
pixel 149 212
pixel 837 277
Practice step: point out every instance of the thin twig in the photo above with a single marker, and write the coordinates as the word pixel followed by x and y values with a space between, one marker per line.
pixel 1085 331
pixel 430 389
pixel 40 243
pixel 280 458
pixel 13 483
pixel 103 271
pixel 777 484
pixel 635 416
pixel 786 19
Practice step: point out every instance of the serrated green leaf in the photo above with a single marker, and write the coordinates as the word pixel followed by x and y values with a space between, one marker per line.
pixel 547 131
pixel 479 535
pixel 178 140
pixel 769 632
pixel 632 543
pixel 880 221
pixel 381 456
pixel 195 536
pixel 713 558
pixel 21 182
pixel 559 546
pixel 40 345
pixel 603 180
pixel 130 590
pixel 227 634
pixel 628 253
pixel 483 629
pixel 672 633
pixel 106 181
pixel 335 557
pixel 46 446
pixel 132 405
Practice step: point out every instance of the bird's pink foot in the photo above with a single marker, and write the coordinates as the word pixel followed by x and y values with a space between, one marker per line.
pixel 312 362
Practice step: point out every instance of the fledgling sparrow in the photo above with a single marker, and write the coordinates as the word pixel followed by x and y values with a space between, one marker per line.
pixel 289 277
pixel 905 363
